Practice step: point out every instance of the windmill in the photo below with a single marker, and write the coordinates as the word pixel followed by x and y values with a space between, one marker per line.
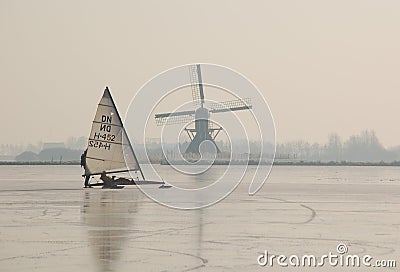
pixel 203 128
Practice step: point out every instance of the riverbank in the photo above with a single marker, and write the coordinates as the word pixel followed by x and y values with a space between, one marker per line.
pixel 252 162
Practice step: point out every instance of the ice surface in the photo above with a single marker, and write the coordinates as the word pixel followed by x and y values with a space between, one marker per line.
pixel 49 223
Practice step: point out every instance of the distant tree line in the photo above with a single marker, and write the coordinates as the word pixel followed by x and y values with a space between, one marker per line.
pixel 362 147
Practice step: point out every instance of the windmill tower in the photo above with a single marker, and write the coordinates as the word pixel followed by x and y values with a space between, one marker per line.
pixel 203 129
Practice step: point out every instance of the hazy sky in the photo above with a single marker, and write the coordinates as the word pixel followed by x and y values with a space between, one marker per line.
pixel 323 66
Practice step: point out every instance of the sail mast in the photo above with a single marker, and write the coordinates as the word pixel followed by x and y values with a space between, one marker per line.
pixel 127 138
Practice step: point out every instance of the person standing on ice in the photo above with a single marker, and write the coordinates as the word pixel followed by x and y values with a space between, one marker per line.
pixel 83 164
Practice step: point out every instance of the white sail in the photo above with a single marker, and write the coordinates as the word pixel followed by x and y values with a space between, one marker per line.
pixel 108 141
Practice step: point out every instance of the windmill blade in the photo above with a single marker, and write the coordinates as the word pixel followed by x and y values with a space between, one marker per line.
pixel 200 84
pixel 233 105
pixel 231 109
pixel 174 118
pixel 196 84
pixel 183 119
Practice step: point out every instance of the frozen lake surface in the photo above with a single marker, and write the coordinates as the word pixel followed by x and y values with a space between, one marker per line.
pixel 49 223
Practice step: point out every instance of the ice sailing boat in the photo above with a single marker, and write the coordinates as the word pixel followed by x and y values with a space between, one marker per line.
pixel 109 150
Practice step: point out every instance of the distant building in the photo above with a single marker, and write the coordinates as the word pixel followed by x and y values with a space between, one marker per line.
pixel 27 156
pixel 52 145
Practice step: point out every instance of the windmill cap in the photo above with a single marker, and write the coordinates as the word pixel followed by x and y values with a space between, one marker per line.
pixel 201 113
